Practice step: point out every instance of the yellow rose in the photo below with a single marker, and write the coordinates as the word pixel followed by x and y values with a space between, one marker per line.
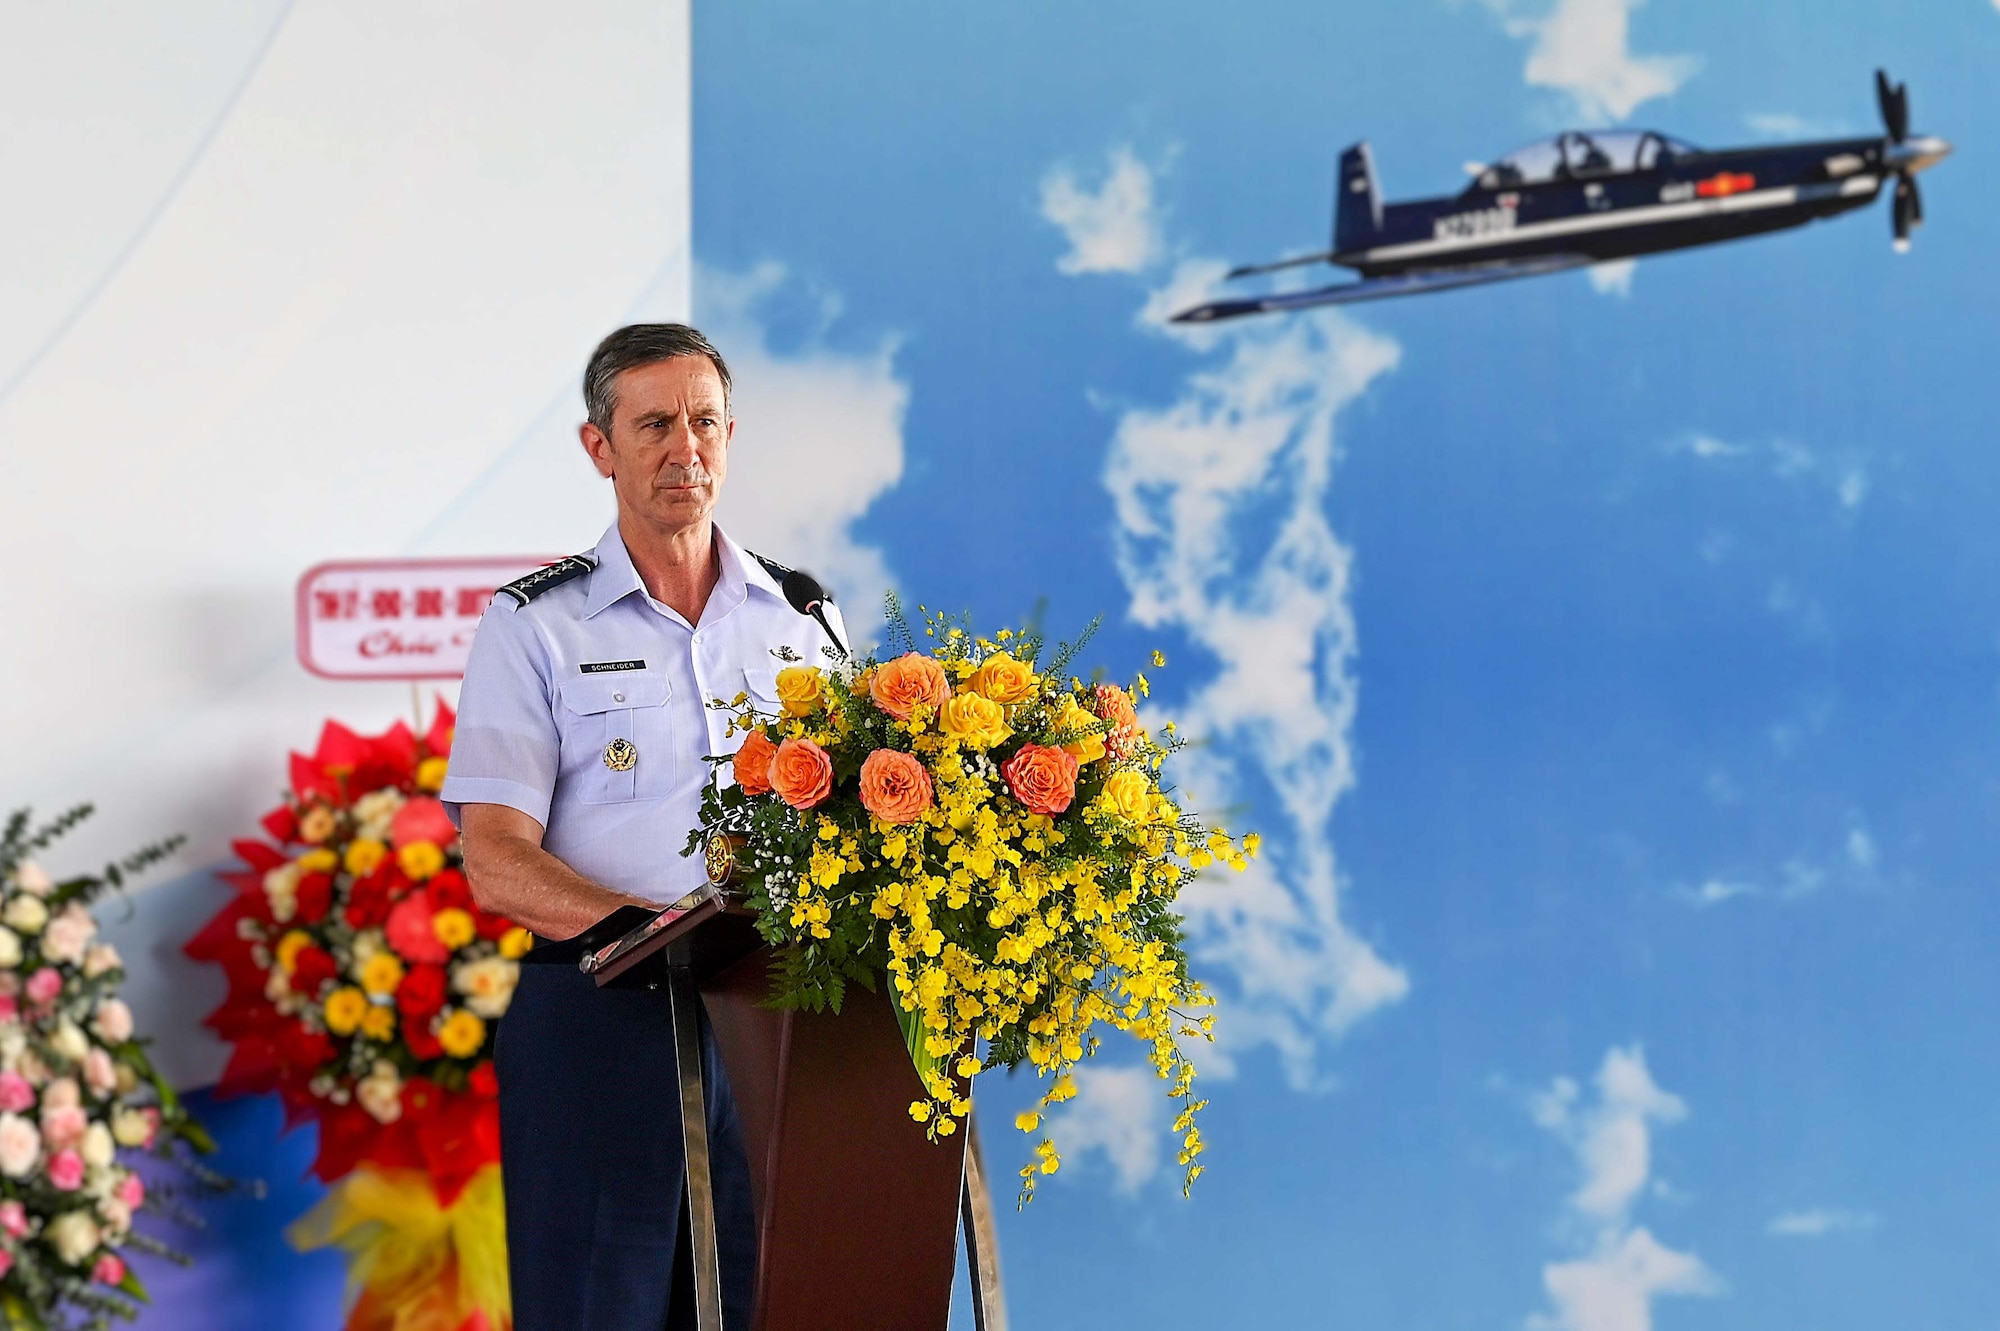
pixel 1004 680
pixel 1072 719
pixel 1130 795
pixel 421 860
pixel 430 773
pixel 289 948
pixel 364 854
pixel 318 861
pixel 974 721
pixel 515 943
pixel 345 1008
pixel 462 1034
pixel 453 927
pixel 379 1023
pixel 800 688
pixel 381 973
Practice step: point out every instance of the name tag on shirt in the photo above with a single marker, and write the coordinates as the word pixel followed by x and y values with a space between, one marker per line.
pixel 607 667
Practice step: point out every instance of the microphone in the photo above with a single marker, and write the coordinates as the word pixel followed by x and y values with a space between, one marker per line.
pixel 805 595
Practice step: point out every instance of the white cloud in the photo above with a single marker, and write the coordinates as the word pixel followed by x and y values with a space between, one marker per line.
pixel 1111 229
pixel 1844 473
pixel 1790 125
pixel 1715 891
pixel 1222 535
pixel 1583 48
pixel 1612 1285
pixel 1120 1112
pixel 1613 1288
pixel 819 437
pixel 1613 278
pixel 1819 1222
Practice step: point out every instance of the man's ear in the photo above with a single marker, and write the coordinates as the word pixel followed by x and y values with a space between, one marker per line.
pixel 599 447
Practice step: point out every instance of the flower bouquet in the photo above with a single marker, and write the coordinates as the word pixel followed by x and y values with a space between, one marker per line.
pixel 78 1097
pixel 363 984
pixel 993 835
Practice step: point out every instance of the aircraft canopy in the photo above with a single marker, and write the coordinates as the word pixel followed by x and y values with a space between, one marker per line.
pixel 1580 154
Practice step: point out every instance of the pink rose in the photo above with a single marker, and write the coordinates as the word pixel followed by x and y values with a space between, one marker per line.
pixel 10 983
pixel 108 1271
pixel 68 934
pixel 44 985
pixel 66 1170
pixel 15 1093
pixel 63 1126
pixel 410 934
pixel 14 1219
pixel 99 1073
pixel 20 1146
pixel 9 1010
pixel 131 1191
pixel 6 1262
pixel 422 819
pixel 62 1094
pixel 114 1021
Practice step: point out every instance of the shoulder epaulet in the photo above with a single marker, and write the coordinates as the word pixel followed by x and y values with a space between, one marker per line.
pixel 527 589
pixel 779 572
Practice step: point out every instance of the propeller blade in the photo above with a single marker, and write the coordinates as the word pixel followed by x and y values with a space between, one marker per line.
pixel 1905 212
pixel 1916 201
pixel 1895 103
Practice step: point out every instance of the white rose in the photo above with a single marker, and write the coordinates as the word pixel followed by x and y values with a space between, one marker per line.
pixel 117 1218
pixel 25 914
pixel 70 1041
pixel 100 1072
pixel 68 934
pixel 62 1094
pixel 366 945
pixel 381 1093
pixel 98 1148
pixel 114 1021
pixel 31 877
pixel 20 1145
pixel 10 948
pixel 281 885
pixel 102 957
pixel 374 812
pixel 129 1127
pixel 75 1236
pixel 488 985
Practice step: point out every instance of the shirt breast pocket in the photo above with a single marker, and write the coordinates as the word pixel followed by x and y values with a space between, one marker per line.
pixel 760 681
pixel 616 737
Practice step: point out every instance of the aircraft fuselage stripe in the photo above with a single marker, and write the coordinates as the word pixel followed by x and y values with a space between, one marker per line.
pixel 1619 218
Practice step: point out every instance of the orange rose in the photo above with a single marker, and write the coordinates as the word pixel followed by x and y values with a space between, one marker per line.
pixel 1113 704
pixel 752 765
pixel 911 678
pixel 1042 778
pixel 894 786
pixel 801 773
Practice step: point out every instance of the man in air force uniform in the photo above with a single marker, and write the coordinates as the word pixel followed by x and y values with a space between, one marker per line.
pixel 576 776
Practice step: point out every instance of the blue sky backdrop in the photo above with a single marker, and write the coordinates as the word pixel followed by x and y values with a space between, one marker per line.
pixel 1611 660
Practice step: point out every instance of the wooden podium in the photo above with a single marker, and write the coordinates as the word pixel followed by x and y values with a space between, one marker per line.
pixel 856 1209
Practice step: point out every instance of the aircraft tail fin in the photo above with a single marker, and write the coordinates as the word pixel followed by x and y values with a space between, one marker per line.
pixel 1357 205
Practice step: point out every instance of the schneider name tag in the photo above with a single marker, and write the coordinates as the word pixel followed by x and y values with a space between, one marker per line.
pixel 606 667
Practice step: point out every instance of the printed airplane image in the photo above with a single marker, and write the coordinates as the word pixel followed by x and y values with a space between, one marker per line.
pixel 1586 197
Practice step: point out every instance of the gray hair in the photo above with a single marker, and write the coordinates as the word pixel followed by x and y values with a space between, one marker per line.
pixel 633 346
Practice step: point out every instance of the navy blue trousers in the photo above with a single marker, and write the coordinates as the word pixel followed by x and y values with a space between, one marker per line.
pixel 592 1161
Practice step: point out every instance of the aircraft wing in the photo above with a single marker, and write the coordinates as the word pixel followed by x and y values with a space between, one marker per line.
pixel 1380 288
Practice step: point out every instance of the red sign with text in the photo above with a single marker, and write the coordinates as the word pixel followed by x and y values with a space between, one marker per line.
pixel 399 618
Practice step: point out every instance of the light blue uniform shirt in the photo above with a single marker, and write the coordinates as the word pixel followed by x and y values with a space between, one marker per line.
pixel 551 684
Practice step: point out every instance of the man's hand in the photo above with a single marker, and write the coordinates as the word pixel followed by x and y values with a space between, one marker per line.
pixel 512 875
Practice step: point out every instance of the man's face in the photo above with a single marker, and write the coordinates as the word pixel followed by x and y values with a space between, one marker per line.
pixel 669 444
